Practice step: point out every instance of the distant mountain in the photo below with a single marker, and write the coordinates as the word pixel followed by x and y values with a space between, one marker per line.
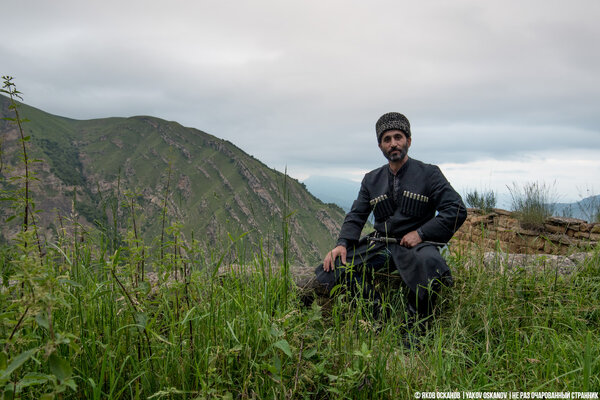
pixel 342 192
pixel 586 209
pixel 211 186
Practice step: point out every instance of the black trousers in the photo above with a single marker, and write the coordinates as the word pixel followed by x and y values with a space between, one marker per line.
pixel 367 258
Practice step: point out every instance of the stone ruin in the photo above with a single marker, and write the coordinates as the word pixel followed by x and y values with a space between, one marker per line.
pixel 501 231
pixel 561 245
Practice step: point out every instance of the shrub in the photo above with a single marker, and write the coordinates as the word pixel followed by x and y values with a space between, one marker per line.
pixel 484 201
pixel 532 203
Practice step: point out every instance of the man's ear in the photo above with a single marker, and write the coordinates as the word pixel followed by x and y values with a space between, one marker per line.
pixel 409 141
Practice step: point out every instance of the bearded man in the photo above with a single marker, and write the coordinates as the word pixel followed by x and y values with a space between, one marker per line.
pixel 416 210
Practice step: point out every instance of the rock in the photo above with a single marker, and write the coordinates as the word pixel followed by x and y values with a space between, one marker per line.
pixel 564 221
pixel 554 228
pixel 482 219
pixel 582 235
pixel 508 223
pixel 500 211
pixel 585 227
pixel 502 261
pixel 580 258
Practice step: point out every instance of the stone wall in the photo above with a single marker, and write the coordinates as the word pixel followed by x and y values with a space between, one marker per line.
pixel 500 230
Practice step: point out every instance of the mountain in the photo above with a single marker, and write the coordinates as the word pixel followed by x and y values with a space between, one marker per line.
pixel 587 209
pixel 211 187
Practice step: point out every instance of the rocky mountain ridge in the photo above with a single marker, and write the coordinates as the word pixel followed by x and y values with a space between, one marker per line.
pixel 209 186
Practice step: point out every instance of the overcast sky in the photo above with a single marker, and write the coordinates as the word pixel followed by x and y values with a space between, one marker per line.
pixel 496 91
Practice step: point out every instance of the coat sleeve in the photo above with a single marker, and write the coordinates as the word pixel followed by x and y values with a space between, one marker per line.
pixel 451 211
pixel 356 218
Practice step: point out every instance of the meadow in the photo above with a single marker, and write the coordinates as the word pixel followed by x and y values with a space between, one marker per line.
pixel 83 322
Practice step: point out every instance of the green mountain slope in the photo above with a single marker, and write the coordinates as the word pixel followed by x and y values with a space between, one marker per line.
pixel 211 187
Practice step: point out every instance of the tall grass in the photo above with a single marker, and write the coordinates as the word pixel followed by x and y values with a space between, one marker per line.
pixel 484 201
pixel 533 203
pixel 22 203
pixel 78 325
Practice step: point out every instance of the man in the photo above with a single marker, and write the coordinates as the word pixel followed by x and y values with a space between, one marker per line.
pixel 415 209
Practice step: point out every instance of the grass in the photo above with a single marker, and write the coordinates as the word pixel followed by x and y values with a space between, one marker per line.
pixel 532 203
pixel 242 335
pixel 485 201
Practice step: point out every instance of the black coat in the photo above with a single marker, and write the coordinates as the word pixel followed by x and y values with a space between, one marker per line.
pixel 415 194
pixel 418 198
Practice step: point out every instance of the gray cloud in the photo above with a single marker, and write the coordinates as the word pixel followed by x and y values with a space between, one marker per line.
pixel 301 84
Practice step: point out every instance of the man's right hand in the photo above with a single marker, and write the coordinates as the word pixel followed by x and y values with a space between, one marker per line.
pixel 329 262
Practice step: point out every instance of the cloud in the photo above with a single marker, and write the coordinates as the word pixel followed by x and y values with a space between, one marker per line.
pixel 570 178
pixel 302 83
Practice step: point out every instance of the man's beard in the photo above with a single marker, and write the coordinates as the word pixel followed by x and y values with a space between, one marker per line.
pixel 402 152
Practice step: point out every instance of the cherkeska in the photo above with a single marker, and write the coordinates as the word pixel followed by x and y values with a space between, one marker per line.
pixel 415 210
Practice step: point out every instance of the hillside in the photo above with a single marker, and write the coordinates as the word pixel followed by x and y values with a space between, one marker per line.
pixel 212 187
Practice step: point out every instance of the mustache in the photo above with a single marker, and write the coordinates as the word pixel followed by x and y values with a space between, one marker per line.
pixel 395 157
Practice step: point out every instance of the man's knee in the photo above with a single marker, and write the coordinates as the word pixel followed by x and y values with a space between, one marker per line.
pixel 330 278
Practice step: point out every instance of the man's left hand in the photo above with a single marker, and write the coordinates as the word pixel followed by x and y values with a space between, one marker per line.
pixel 411 239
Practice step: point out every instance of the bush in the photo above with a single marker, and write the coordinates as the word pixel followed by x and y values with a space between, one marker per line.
pixel 532 203
pixel 484 201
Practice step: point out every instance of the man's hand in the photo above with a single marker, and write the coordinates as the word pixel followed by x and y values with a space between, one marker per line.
pixel 329 262
pixel 411 239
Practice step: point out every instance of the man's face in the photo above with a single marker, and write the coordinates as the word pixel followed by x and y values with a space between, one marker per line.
pixel 394 145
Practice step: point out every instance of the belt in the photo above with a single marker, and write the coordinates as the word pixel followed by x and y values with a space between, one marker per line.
pixel 385 239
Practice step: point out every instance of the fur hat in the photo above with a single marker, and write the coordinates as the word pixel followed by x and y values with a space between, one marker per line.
pixel 392 120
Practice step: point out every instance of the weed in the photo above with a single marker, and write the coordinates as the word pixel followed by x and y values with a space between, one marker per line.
pixel 484 201
pixel 204 328
pixel 532 203
pixel 23 204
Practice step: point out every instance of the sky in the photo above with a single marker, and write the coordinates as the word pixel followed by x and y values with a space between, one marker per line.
pixel 498 93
